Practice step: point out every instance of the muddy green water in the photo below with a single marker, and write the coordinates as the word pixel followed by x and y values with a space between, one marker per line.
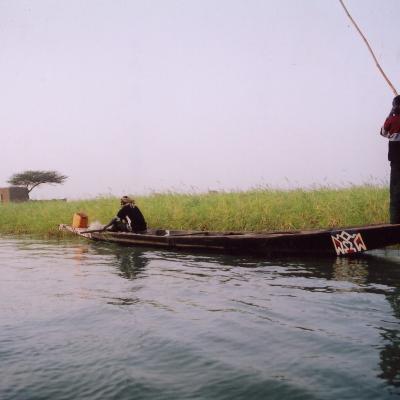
pixel 81 320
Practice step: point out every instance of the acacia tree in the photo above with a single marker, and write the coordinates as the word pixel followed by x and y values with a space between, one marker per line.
pixel 32 179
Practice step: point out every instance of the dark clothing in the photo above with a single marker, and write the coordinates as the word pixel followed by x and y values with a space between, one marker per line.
pixel 116 225
pixel 131 215
pixel 395 192
pixel 394 151
pixel 391 130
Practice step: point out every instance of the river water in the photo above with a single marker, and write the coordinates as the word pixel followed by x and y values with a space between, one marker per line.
pixel 82 320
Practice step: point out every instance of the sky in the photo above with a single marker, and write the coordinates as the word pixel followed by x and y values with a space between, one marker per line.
pixel 134 97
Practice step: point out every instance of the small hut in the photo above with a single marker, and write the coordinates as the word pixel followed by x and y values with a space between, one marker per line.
pixel 13 193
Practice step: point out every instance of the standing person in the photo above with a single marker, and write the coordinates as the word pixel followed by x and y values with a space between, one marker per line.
pixel 129 218
pixel 391 130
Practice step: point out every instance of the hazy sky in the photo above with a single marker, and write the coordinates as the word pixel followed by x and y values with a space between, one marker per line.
pixel 150 95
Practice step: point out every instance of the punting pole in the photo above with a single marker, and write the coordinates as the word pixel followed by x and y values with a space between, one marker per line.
pixel 369 48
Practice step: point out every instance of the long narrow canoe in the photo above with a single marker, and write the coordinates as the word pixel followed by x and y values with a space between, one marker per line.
pixel 330 242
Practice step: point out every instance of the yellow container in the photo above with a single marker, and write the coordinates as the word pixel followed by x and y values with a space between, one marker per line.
pixel 80 220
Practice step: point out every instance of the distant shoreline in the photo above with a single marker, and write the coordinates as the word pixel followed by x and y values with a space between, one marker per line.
pixel 252 210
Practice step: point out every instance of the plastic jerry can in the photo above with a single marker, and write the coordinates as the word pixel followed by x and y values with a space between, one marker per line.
pixel 80 220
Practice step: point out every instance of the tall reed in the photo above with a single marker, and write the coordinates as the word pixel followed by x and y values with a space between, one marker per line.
pixel 253 210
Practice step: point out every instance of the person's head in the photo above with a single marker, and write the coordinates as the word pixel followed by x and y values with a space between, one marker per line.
pixel 396 105
pixel 126 200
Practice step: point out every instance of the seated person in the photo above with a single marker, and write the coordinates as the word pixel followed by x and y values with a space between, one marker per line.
pixel 129 218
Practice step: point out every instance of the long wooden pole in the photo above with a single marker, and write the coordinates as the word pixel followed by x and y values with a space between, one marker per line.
pixel 369 48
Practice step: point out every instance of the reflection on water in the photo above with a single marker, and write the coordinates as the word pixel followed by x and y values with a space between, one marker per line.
pixel 367 272
pixel 138 323
pixel 80 253
pixel 390 354
pixel 353 270
pixel 131 264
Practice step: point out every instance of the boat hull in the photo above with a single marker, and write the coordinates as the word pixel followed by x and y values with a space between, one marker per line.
pixel 333 242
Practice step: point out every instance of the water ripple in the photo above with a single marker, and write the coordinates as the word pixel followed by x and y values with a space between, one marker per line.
pixel 96 321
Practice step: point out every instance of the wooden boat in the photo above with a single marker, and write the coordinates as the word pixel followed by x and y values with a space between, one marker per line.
pixel 330 242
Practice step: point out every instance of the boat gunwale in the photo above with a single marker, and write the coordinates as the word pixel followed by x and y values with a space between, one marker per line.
pixel 322 242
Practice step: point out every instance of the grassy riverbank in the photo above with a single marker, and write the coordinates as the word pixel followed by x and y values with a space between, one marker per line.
pixel 254 210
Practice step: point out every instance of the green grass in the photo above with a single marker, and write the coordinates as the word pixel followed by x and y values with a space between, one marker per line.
pixel 253 210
